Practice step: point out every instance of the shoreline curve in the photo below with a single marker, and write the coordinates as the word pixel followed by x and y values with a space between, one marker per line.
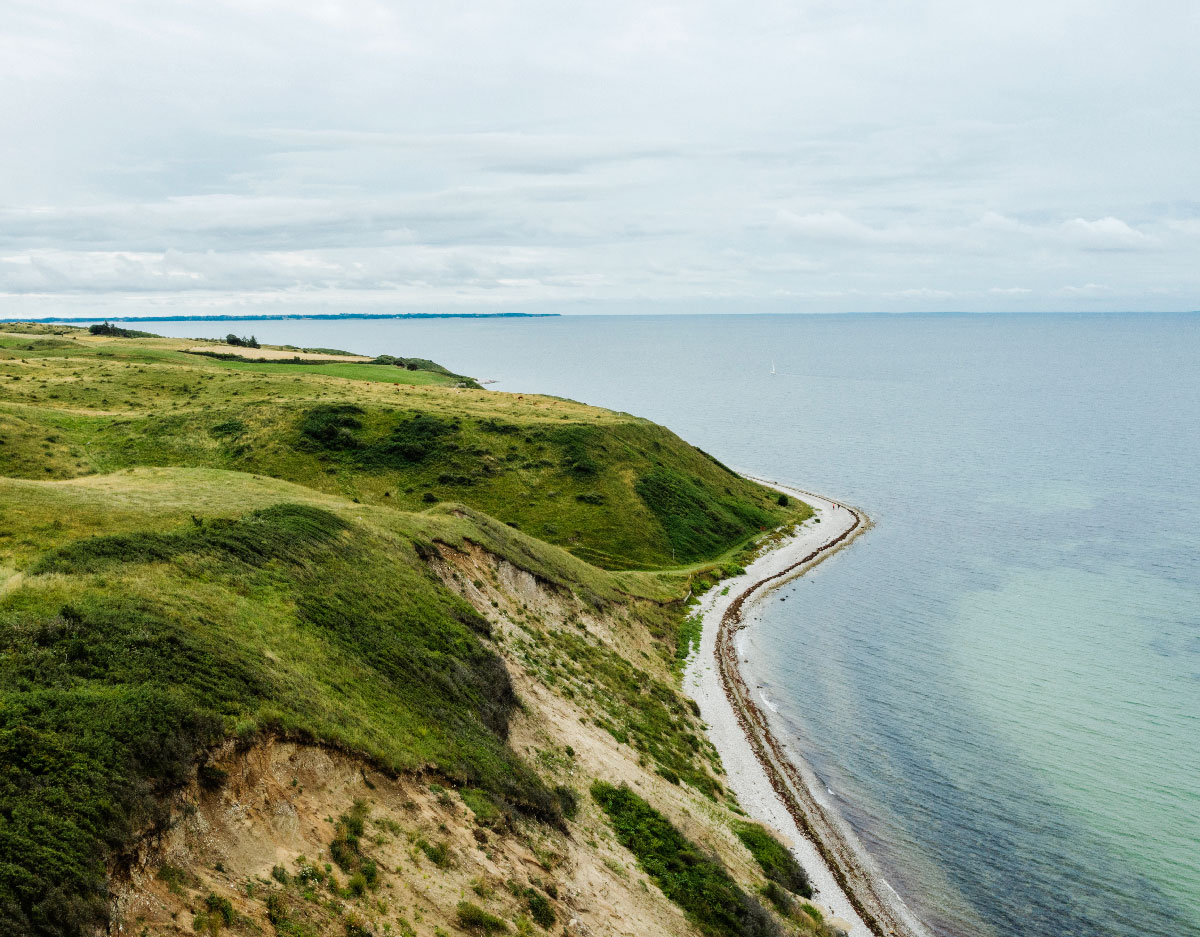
pixel 769 784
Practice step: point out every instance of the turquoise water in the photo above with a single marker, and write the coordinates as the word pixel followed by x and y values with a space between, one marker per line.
pixel 1001 682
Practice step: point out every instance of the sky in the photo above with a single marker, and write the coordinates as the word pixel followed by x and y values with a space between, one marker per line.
pixel 162 158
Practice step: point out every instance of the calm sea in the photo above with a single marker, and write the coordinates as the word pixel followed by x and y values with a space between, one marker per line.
pixel 1000 683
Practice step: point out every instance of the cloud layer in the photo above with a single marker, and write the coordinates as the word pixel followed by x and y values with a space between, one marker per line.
pixel 618 157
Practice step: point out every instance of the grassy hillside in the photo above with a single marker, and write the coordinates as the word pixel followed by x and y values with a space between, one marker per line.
pixel 616 490
pixel 201 557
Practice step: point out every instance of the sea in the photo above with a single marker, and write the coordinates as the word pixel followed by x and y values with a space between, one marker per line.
pixel 999 685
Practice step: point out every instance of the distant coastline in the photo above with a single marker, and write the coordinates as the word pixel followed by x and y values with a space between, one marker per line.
pixel 322 315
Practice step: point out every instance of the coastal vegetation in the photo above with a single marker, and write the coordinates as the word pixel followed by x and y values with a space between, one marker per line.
pixel 693 880
pixel 616 490
pixel 209 564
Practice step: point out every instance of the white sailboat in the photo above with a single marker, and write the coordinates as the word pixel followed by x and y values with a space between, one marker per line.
pixel 773 371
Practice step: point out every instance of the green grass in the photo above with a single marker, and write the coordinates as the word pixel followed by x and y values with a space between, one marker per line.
pixel 617 491
pixel 349 370
pixel 197 550
pixel 127 656
pixel 637 709
pixel 699 884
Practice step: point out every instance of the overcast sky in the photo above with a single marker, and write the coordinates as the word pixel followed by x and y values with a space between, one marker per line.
pixel 261 156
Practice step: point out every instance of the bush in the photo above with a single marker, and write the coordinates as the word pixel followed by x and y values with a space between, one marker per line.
pixel 539 909
pixel 330 426
pixel 473 918
pixel 228 428
pixel 221 907
pixel 568 800
pixel 776 862
pixel 783 501
pixel 437 853
pixel 694 881
pixel 780 899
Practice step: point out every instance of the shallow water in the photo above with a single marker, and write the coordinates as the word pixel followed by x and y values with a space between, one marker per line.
pixel 1001 682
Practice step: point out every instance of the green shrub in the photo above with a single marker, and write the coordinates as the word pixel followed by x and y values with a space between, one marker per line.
pixel 114 331
pixel 539 909
pixel 568 800
pixel 221 907
pixel 331 426
pixel 473 918
pixel 776 861
pixel 487 811
pixel 437 853
pixel 228 428
pixel 697 883
pixel 780 898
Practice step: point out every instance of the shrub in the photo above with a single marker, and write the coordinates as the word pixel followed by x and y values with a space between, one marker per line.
pixel 220 906
pixel 780 898
pixel 783 501
pixel 568 800
pixel 694 881
pixel 228 428
pixel 775 860
pixel 539 909
pixel 413 440
pixel 437 853
pixel 473 918
pixel 114 331
pixel 330 426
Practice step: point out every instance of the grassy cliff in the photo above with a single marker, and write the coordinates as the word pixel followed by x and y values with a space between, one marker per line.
pixel 201 559
pixel 621 492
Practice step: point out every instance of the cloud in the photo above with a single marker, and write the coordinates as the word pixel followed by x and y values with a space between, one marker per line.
pixel 805 156
pixel 1105 234
pixel 833 226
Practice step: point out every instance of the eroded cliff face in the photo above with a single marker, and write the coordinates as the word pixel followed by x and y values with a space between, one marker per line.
pixel 288 838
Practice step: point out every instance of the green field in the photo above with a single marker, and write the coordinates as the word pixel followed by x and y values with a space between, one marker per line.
pixel 348 370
